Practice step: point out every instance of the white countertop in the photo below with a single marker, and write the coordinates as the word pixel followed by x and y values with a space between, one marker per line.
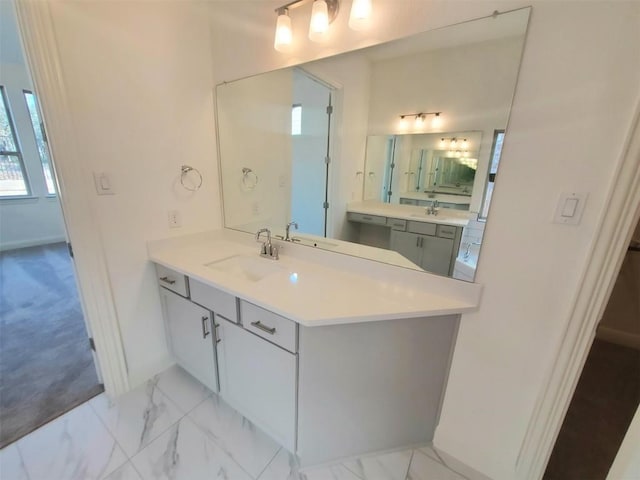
pixel 446 216
pixel 441 197
pixel 314 287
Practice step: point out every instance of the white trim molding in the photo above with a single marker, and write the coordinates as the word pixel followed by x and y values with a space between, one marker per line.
pixel 43 59
pixel 616 226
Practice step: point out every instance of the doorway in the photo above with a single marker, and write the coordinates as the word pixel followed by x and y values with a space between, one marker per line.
pixel 608 391
pixel 47 365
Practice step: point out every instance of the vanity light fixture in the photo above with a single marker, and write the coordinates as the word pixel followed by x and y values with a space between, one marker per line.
pixel 465 144
pixel 420 118
pixel 402 125
pixel 360 13
pixel 323 12
pixel 284 34
pixel 436 121
pixel 453 143
pixel 319 23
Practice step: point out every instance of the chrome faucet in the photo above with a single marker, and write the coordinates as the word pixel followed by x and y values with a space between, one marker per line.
pixel 467 252
pixel 268 250
pixel 287 238
pixel 433 208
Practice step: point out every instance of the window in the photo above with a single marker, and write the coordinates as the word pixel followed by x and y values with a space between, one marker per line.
pixel 496 152
pixel 13 181
pixel 38 131
pixel 296 120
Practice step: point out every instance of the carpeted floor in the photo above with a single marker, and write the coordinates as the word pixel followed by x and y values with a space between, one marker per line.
pixel 600 412
pixel 46 366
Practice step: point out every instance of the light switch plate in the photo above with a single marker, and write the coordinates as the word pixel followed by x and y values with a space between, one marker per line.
pixel 103 183
pixel 570 207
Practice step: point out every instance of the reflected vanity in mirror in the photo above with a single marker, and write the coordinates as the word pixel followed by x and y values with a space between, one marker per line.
pixel 330 145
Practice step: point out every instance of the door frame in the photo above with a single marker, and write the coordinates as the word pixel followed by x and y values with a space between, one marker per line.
pixel 36 29
pixel 615 228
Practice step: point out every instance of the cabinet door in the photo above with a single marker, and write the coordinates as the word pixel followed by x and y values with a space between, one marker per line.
pixel 407 245
pixel 190 331
pixel 259 380
pixel 436 254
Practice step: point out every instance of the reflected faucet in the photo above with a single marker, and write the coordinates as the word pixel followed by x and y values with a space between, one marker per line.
pixel 433 208
pixel 287 238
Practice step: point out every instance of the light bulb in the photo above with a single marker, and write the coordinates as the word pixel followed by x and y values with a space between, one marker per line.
pixel 436 121
pixel 284 35
pixel 360 13
pixel 319 20
pixel 465 144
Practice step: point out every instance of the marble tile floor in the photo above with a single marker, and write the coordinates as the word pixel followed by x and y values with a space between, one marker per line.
pixel 173 428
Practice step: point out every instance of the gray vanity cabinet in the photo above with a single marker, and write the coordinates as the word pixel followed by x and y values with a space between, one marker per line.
pixel 259 380
pixel 429 252
pixel 191 335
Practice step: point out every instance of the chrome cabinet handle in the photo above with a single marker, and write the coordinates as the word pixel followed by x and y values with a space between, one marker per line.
pixel 205 332
pixel 260 326
pixel 215 328
pixel 167 280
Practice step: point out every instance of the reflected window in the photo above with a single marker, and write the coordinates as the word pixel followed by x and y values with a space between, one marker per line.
pixel 13 181
pixel 38 131
pixel 496 152
pixel 296 120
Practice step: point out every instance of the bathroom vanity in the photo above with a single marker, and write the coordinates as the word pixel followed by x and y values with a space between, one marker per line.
pixel 431 241
pixel 331 355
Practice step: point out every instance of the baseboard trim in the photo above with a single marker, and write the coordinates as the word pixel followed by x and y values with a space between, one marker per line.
pixel 619 337
pixel 34 242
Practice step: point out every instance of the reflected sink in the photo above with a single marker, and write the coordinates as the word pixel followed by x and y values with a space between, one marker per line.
pixel 251 268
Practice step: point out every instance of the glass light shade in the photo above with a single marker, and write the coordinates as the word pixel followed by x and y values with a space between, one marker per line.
pixel 360 13
pixel 284 34
pixel 402 124
pixel 436 121
pixel 319 20
pixel 465 144
pixel 454 143
pixel 419 121
pixel 442 143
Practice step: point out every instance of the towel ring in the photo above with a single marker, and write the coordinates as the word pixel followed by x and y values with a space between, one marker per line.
pixel 184 171
pixel 249 178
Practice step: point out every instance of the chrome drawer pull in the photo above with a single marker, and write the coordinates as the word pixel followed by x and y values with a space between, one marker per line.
pixel 260 326
pixel 215 328
pixel 205 332
pixel 167 280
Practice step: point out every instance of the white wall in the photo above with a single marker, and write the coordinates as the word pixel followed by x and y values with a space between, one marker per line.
pixel 140 76
pixel 36 220
pixel 139 80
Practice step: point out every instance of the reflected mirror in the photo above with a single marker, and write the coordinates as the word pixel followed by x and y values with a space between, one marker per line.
pixel 388 152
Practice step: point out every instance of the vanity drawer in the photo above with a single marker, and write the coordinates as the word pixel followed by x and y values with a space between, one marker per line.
pixel 172 280
pixel 446 231
pixel 421 228
pixel 397 224
pixel 217 301
pixel 270 326
pixel 364 218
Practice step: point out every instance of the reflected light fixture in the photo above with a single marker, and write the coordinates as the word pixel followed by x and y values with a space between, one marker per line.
pixel 420 117
pixel 323 12
pixel 436 121
pixel 360 13
pixel 284 34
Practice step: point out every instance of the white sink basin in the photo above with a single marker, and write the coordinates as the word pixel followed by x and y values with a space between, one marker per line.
pixel 253 268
